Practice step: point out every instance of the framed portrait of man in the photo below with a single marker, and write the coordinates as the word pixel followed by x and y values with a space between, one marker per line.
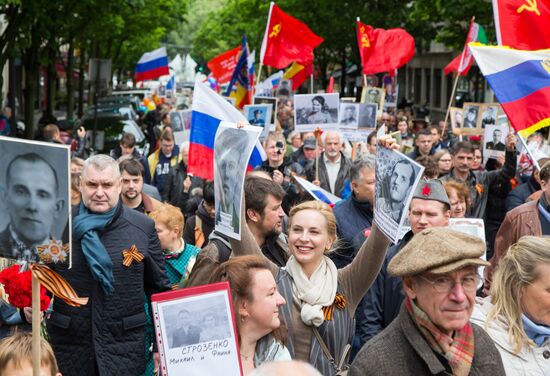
pixel 232 149
pixel 367 115
pixel 259 115
pixel 313 111
pixel 396 178
pixel 493 141
pixel 273 101
pixel 176 121
pixel 489 114
pixel 35 200
pixel 472 119
pixel 349 115
pixel 372 94
pixel 196 332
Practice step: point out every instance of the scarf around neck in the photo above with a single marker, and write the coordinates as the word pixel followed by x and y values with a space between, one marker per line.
pixel 314 293
pixel 458 349
pixel 85 229
pixel 536 332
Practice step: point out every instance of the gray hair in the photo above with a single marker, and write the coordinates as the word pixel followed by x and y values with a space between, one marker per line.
pixel 332 132
pixel 184 144
pixel 101 162
pixel 365 162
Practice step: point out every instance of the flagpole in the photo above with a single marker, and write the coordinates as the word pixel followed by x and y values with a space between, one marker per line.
pixel 311 83
pixel 264 42
pixel 458 72
pixel 259 74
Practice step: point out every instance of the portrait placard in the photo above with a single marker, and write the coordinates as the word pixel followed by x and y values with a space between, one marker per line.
pixel 259 115
pixel 176 121
pixel 470 226
pixel 186 114
pixel 493 141
pixel 196 332
pixel 232 149
pixel 457 118
pixel 349 115
pixel 316 111
pixel 489 114
pixel 285 89
pixel 273 101
pixel 471 124
pixel 372 94
pixel 396 179
pixel 35 199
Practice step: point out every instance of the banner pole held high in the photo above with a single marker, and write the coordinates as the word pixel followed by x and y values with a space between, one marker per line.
pixel 36 356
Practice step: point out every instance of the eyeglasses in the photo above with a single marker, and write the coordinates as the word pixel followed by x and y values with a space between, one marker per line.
pixel 469 283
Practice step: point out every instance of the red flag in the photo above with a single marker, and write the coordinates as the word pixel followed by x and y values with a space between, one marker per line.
pixel 522 25
pixel 330 88
pixel 463 62
pixel 223 65
pixel 383 50
pixel 299 73
pixel 286 40
pixel 453 66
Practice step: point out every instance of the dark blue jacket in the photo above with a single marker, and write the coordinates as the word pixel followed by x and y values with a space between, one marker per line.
pixel 353 217
pixel 519 195
pixel 383 300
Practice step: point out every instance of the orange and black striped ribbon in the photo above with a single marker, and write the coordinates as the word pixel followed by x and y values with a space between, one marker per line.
pixel 131 255
pixel 340 302
pixel 58 286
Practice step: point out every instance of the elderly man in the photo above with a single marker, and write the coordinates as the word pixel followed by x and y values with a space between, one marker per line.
pixel 333 165
pixel 432 334
pixel 430 207
pixel 355 214
pixel 33 204
pixel 117 260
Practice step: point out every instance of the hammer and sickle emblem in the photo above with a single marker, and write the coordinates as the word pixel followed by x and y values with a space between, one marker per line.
pixel 546 65
pixel 365 42
pixel 531 6
pixel 275 31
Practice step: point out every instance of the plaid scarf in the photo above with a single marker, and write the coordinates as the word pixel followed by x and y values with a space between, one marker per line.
pixel 458 350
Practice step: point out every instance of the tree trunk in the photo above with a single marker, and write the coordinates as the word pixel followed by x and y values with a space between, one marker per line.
pixel 31 76
pixel 81 82
pixel 51 76
pixel 70 81
pixel 343 76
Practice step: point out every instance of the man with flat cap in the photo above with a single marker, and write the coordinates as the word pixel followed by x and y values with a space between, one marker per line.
pixel 432 335
pixel 429 208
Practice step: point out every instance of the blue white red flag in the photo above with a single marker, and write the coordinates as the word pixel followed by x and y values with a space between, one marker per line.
pixel 521 82
pixel 318 193
pixel 208 111
pixel 152 65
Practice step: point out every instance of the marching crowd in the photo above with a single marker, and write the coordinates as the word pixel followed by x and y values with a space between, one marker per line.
pixel 310 283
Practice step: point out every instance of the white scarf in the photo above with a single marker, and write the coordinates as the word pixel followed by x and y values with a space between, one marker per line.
pixel 314 293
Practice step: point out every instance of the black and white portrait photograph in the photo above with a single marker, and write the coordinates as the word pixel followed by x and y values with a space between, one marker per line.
pixel 316 110
pixel 372 94
pixel 195 331
pixel 285 89
pixel 493 141
pixel 273 101
pixel 186 115
pixel 471 112
pixel 456 117
pixel 367 115
pixel 176 121
pixel 232 149
pixel 196 321
pixel 35 201
pixel 259 115
pixel 349 115
pixel 489 114
pixel 392 89
pixel 396 177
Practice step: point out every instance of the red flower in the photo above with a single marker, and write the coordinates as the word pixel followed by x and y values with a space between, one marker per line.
pixel 18 287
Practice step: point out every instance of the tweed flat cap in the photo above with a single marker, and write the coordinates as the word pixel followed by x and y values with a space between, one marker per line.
pixel 437 250
pixel 431 190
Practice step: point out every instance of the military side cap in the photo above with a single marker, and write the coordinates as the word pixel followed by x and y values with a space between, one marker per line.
pixel 437 250
pixel 431 190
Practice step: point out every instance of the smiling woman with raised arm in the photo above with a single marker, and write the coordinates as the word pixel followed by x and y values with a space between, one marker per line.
pixel 321 300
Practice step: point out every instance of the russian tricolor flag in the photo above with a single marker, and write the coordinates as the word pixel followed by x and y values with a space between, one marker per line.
pixel 209 109
pixel 318 193
pixel 152 65
pixel 521 82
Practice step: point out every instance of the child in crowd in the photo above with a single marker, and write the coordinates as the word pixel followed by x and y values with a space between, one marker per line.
pixel 16 356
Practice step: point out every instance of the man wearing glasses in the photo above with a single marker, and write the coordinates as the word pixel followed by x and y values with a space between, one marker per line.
pixel 432 333
pixel 430 207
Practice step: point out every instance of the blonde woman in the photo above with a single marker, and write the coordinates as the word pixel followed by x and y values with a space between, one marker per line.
pixel 517 313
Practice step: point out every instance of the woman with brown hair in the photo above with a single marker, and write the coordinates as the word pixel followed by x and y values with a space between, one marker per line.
pixel 459 197
pixel 256 303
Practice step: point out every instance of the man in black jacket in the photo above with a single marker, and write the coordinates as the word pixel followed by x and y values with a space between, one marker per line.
pixel 521 193
pixel 116 261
